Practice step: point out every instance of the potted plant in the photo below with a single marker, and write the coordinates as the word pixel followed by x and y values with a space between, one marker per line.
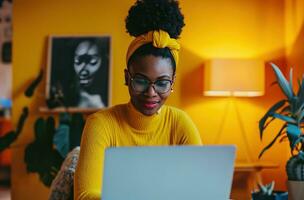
pixel 266 192
pixel 291 111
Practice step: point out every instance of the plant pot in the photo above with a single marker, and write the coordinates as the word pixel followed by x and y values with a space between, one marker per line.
pixel 277 195
pixel 295 190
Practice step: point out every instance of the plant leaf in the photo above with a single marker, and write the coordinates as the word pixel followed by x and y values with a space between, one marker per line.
pixel 7 139
pixel 300 109
pixel 273 83
pixel 268 122
pixel 49 132
pixel 273 141
pixel 294 104
pixel 293 133
pixel 301 155
pixel 61 139
pixel 269 113
pixel 290 77
pixel 30 90
pixel 39 128
pixel 301 91
pixel 77 125
pixel 300 116
pixel 285 110
pixel 283 138
pixel 22 119
pixel 285 118
pixel 299 85
pixel 298 140
pixel 283 83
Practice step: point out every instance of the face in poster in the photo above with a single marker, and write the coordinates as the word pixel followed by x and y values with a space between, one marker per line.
pixel 79 71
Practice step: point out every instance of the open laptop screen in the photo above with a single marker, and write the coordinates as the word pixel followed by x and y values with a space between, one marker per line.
pixel 168 173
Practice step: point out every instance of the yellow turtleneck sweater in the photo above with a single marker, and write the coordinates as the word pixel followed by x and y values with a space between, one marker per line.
pixel 123 125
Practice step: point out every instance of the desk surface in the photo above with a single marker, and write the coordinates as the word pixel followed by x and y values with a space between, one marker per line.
pixel 249 167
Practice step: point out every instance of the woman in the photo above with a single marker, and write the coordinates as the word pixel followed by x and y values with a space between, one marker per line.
pixel 83 82
pixel 89 63
pixel 151 63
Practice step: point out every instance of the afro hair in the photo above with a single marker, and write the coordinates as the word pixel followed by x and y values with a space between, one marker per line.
pixel 148 15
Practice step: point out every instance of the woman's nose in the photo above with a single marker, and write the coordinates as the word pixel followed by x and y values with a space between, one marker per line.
pixel 151 91
pixel 84 71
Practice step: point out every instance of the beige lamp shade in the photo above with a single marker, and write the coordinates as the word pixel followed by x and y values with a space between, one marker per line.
pixel 234 77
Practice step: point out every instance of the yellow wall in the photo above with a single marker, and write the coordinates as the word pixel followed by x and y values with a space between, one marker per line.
pixel 33 22
pixel 235 28
pixel 294 18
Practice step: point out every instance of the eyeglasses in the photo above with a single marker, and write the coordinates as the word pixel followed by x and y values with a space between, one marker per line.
pixel 140 84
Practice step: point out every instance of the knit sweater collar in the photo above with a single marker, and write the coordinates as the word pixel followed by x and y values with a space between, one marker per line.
pixel 141 122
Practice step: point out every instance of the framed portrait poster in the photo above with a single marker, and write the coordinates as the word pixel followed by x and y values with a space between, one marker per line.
pixel 78 74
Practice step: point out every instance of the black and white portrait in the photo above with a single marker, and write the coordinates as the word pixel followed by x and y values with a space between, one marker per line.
pixel 79 71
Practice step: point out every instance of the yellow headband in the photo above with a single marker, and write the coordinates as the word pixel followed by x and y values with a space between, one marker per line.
pixel 159 39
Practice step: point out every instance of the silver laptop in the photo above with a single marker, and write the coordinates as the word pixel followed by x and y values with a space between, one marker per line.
pixel 168 173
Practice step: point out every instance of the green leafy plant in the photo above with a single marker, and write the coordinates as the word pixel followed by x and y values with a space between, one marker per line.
pixel 291 111
pixel 40 155
pixel 45 154
pixel 266 192
pixel 11 136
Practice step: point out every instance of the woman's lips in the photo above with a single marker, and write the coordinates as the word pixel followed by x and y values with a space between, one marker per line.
pixel 150 105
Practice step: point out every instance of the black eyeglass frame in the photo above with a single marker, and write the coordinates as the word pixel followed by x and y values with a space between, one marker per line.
pixel 150 83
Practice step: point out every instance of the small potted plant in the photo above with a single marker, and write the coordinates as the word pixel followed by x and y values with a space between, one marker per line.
pixel 291 111
pixel 266 192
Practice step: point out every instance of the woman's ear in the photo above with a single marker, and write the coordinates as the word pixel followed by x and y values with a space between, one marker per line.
pixel 126 77
pixel 174 77
pixel 173 81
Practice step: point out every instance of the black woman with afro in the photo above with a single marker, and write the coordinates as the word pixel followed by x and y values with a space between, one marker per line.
pixel 151 61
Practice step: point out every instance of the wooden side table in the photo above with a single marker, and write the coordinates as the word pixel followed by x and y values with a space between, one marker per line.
pixel 246 177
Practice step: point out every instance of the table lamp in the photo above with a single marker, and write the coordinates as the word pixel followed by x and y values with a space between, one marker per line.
pixel 234 77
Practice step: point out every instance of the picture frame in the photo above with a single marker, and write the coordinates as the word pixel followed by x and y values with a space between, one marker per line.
pixel 78 72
